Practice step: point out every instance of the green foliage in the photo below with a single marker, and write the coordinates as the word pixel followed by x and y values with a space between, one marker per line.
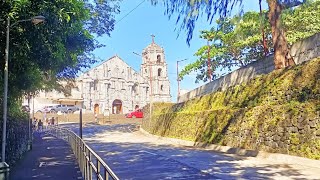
pixel 237 41
pixel 42 55
pixel 302 22
pixel 189 11
pixel 253 115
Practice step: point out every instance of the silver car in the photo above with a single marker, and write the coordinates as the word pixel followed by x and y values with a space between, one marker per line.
pixel 62 108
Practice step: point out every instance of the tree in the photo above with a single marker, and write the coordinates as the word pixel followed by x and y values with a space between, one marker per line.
pixel 43 55
pixel 237 41
pixel 190 10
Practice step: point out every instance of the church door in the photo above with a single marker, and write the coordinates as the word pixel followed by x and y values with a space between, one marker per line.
pixel 96 108
pixel 117 107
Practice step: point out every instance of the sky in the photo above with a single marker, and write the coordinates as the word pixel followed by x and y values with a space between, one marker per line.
pixel 132 33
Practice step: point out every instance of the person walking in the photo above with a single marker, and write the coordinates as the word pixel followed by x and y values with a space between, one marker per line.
pixel 47 123
pixel 40 125
pixel 52 121
pixel 34 124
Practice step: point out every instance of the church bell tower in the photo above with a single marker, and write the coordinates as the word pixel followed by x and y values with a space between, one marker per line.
pixel 154 70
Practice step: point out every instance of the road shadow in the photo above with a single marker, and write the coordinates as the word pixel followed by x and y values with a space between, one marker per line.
pixel 151 160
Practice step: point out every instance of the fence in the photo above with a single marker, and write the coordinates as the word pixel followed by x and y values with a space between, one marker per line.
pixel 91 165
pixel 17 139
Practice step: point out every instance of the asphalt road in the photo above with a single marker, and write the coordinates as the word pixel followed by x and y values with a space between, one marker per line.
pixel 132 155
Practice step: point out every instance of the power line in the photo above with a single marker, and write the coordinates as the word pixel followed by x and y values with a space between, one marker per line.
pixel 130 12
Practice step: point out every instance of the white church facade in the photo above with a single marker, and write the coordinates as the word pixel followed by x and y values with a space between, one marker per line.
pixel 113 87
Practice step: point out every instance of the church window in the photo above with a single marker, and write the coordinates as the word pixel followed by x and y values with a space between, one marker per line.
pixel 159 72
pixel 122 85
pixel 95 85
pixel 135 88
pixel 145 70
pixel 161 87
pixel 158 59
pixel 113 84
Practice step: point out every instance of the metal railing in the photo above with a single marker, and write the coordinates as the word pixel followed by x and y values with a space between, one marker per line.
pixel 91 165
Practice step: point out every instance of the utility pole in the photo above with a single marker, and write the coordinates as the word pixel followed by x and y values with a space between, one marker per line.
pixel 151 95
pixel 4 166
pixel 209 63
pixel 151 92
pixel 5 96
pixel 178 79
pixel 149 63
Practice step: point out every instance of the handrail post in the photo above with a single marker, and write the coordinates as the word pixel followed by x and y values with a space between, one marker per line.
pixel 98 168
pixel 80 129
pixel 90 170
pixel 106 174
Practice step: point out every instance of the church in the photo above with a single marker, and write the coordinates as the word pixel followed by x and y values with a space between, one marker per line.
pixel 113 87
pixel 116 87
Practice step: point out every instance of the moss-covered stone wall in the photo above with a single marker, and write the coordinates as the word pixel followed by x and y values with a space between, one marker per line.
pixel 276 112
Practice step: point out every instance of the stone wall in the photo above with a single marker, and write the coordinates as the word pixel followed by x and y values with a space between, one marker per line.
pixel 301 51
pixel 274 112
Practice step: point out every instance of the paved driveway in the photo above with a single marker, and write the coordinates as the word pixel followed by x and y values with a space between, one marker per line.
pixel 132 155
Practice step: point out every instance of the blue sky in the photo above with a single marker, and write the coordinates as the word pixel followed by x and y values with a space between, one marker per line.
pixel 133 34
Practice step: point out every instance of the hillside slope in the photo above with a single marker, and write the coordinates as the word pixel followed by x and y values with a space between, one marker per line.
pixel 276 112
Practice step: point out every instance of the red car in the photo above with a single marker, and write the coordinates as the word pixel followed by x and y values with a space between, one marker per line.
pixel 135 114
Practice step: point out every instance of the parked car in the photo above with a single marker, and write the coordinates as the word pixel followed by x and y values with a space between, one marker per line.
pixel 135 114
pixel 45 109
pixel 62 108
pixel 26 108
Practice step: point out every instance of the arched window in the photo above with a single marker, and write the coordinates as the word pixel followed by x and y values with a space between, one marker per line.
pixel 135 89
pixel 95 84
pixel 158 59
pixel 159 71
pixel 147 91
pixel 161 87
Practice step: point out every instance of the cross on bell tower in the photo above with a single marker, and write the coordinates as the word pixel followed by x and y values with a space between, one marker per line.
pixel 152 36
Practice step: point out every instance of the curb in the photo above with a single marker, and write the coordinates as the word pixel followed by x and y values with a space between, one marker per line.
pixel 275 157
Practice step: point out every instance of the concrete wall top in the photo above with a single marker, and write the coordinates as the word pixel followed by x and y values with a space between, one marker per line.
pixel 301 51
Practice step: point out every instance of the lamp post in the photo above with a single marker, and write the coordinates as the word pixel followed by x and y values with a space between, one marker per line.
pixel 149 63
pixel 178 79
pixel 34 20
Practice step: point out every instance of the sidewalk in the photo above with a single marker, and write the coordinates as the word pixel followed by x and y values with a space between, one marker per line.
pixel 50 158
